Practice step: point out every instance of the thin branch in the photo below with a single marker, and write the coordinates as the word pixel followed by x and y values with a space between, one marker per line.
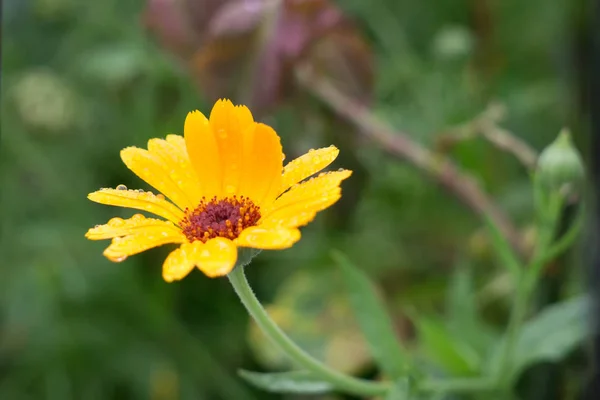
pixel 486 126
pixel 399 144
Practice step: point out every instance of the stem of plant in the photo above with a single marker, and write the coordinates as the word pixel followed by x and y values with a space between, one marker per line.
pixel 342 382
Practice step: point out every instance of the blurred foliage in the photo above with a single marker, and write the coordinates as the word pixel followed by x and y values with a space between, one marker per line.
pixel 81 80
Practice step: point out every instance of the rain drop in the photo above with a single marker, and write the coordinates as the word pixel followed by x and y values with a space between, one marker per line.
pixel 138 217
pixel 311 150
pixel 116 221
pixel 160 196
pixel 121 187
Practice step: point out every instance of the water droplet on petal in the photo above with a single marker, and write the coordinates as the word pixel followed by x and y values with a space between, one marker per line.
pixel 282 156
pixel 140 190
pixel 160 196
pixel 119 259
pixel 121 187
pixel 204 253
pixel 138 217
pixel 116 221
pixel 311 150
pixel 341 169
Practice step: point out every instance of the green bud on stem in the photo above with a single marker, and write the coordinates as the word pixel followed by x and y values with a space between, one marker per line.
pixel 559 166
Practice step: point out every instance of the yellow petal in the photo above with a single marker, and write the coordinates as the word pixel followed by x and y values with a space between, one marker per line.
pixel 145 201
pixel 227 123
pixel 244 115
pixel 318 189
pixel 203 152
pixel 261 165
pixel 301 213
pixel 177 163
pixel 217 257
pixel 180 262
pixel 268 239
pixel 116 227
pixel 307 165
pixel 179 141
pixel 151 168
pixel 123 247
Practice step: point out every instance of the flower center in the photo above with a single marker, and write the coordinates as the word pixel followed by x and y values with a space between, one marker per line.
pixel 226 218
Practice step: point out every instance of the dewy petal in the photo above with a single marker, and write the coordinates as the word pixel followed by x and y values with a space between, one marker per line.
pixel 318 189
pixel 217 257
pixel 151 168
pixel 262 163
pixel 177 163
pixel 307 165
pixel 123 247
pixel 144 201
pixel 116 227
pixel 203 151
pixel 181 262
pixel 268 239
pixel 301 213
pixel 227 124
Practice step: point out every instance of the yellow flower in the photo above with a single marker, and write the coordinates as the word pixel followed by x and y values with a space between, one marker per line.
pixel 226 189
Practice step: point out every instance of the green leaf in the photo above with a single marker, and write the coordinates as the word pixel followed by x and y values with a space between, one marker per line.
pixel 374 321
pixel 400 391
pixel 553 334
pixel 503 249
pixel 454 355
pixel 461 297
pixel 303 382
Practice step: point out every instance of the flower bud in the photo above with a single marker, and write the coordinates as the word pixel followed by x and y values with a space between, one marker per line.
pixel 560 164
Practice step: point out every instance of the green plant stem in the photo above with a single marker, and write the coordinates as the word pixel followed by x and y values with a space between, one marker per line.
pixel 516 320
pixel 341 381
pixel 459 385
pixel 527 283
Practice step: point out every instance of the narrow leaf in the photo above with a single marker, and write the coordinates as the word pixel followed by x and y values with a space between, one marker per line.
pixel 451 353
pixel 503 249
pixel 374 321
pixel 303 382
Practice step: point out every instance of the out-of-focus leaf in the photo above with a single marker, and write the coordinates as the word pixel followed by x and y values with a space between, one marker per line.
pixel 374 321
pixel 503 249
pixel 114 65
pixel 303 382
pixel 462 319
pixel 552 334
pixel 400 391
pixel 312 308
pixel 452 354
pixel 461 297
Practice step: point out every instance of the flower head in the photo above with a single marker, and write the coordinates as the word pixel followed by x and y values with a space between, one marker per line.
pixel 221 187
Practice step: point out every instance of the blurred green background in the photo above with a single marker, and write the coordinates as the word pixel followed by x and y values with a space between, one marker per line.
pixel 81 80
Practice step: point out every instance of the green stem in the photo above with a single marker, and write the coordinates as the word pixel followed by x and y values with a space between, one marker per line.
pixel 516 320
pixel 458 385
pixel 341 381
